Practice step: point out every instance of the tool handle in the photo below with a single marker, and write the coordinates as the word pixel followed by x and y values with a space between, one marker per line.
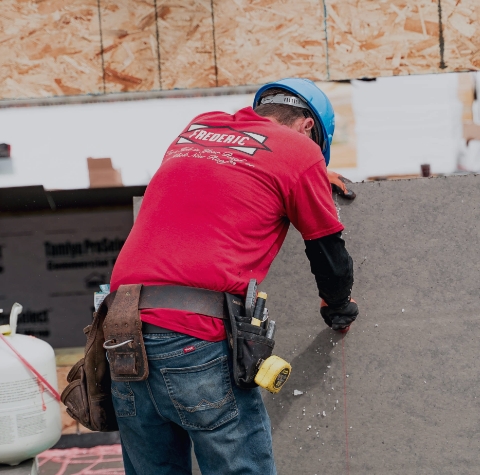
pixel 271 329
pixel 251 298
pixel 259 307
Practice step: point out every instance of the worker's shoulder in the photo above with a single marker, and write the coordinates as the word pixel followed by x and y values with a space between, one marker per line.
pixel 297 139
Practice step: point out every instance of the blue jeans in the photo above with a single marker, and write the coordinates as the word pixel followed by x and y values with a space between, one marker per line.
pixel 188 397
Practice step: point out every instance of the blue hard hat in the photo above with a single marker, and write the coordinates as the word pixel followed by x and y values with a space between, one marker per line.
pixel 317 102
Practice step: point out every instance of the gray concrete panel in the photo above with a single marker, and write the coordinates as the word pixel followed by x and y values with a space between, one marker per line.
pixel 406 375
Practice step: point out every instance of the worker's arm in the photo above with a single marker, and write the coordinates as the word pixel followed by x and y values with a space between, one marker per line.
pixel 311 210
pixel 332 267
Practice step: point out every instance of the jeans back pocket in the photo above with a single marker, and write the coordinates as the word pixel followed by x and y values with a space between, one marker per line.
pixel 202 395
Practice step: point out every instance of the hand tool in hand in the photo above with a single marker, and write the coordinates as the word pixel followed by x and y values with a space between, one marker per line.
pixel 339 185
pixel 339 318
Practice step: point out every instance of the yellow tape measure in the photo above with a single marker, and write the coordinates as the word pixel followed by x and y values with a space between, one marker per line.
pixel 273 374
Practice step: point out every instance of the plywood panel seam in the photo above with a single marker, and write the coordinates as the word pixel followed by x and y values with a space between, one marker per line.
pixel 441 40
pixel 101 44
pixel 325 14
pixel 158 45
pixel 214 44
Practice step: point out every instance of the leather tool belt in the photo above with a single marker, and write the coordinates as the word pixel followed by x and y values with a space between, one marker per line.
pixel 123 328
pixel 117 328
pixel 175 297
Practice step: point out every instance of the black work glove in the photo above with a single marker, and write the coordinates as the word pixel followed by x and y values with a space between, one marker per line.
pixel 339 185
pixel 339 318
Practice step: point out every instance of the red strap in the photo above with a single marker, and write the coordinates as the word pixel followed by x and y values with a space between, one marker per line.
pixel 32 369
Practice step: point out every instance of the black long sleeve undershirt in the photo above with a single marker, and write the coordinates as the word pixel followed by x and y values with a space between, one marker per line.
pixel 332 267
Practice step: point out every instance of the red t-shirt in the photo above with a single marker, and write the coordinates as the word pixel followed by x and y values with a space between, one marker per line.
pixel 218 209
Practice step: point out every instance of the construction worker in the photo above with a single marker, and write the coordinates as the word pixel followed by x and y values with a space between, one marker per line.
pixel 213 217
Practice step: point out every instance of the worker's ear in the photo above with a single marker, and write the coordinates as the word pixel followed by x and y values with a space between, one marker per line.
pixel 304 125
pixel 308 125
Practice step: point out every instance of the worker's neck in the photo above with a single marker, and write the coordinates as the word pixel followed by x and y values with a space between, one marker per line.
pixel 272 119
pixel 301 125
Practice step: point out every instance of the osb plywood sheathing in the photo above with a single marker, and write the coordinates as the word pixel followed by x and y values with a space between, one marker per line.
pixel 372 38
pixel 130 51
pixel 49 48
pixel 262 40
pixel 186 43
pixel 461 32
pixel 53 47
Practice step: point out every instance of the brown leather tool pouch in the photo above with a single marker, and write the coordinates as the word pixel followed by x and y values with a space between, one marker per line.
pixel 88 397
pixel 123 336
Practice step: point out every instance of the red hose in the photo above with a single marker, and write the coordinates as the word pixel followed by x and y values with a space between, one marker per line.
pixel 32 369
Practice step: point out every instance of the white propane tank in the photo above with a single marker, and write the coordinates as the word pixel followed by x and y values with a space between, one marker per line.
pixel 30 420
